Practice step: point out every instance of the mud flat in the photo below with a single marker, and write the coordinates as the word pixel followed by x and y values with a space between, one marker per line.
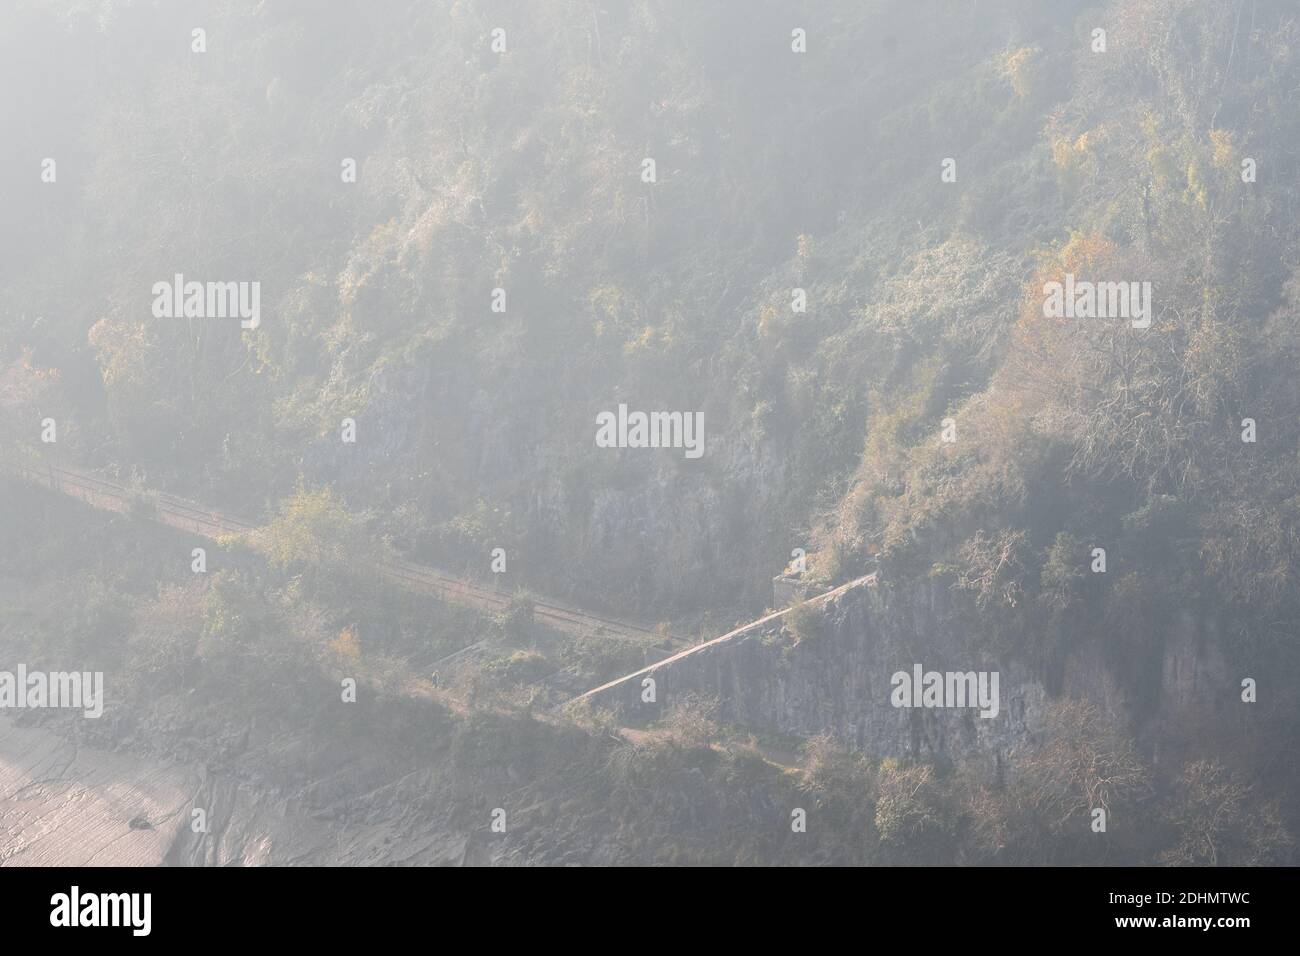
pixel 66 805
pixel 63 804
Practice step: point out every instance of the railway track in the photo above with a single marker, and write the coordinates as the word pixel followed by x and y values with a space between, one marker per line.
pixel 110 495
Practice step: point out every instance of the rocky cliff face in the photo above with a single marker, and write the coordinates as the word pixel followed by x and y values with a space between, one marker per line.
pixel 645 528
pixel 827 668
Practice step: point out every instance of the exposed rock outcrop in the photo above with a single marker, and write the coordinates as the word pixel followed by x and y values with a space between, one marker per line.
pixel 826 667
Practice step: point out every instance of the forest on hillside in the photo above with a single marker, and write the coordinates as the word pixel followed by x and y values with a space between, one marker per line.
pixel 837 256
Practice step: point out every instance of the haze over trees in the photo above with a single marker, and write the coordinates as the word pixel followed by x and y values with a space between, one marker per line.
pixel 1172 158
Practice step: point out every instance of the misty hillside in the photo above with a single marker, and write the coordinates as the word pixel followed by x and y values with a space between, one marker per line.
pixel 470 244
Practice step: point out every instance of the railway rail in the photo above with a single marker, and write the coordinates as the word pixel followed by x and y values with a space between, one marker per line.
pixel 110 495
